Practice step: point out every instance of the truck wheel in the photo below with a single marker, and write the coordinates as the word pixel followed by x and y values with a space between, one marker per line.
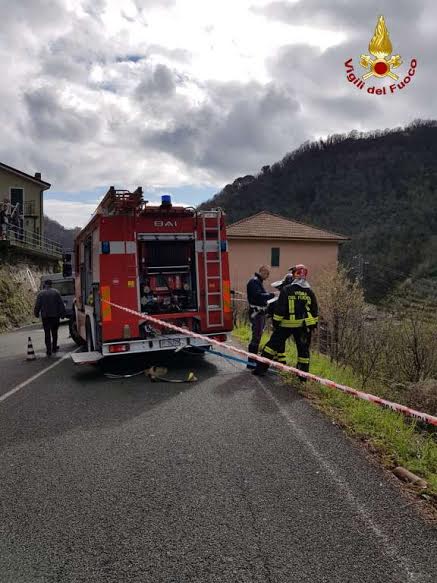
pixel 98 345
pixel 74 333
pixel 89 337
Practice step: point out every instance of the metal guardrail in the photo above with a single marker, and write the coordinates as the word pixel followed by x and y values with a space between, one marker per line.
pixel 19 237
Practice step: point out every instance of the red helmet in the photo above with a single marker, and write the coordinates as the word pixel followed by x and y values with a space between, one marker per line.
pixel 300 271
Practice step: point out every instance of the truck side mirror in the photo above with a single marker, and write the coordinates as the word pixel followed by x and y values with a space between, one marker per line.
pixel 67 268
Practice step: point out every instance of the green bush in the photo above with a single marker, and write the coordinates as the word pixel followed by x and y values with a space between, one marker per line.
pixel 16 299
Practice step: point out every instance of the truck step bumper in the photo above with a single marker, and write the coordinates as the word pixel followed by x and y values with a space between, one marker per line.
pixel 86 357
pixel 157 344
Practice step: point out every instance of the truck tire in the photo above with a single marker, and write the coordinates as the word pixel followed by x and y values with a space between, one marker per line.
pixel 74 333
pixel 89 336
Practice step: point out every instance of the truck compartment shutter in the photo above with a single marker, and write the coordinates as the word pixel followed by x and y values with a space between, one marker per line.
pixel 165 237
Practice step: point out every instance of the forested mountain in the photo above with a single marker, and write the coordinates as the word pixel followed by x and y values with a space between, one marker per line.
pixel 379 188
pixel 56 232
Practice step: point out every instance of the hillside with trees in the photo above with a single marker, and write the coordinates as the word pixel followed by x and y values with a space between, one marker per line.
pixel 379 188
pixel 56 232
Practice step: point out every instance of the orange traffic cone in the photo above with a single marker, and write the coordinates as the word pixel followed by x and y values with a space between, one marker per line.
pixel 30 351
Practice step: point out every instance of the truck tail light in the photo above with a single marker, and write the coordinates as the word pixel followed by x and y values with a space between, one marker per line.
pixel 116 348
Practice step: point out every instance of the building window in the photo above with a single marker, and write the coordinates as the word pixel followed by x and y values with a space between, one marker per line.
pixel 275 257
pixel 17 196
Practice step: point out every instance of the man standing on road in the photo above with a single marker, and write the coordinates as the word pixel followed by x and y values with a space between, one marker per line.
pixel 257 298
pixel 295 314
pixel 51 307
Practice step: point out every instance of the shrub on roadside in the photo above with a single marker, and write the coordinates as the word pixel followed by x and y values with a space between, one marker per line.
pixel 421 395
pixel 16 298
pixel 410 349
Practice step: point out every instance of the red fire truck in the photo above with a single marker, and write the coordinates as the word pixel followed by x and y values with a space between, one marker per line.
pixel 166 261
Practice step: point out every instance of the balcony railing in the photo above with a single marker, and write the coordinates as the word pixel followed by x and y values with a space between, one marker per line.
pixel 30 208
pixel 19 237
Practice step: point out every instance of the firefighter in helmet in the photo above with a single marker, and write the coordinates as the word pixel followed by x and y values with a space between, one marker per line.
pixel 279 285
pixel 295 314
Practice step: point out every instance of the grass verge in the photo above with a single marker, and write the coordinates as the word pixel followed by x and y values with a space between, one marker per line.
pixel 397 440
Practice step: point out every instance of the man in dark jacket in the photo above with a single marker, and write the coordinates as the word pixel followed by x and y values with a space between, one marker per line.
pixel 295 314
pixel 257 298
pixel 51 307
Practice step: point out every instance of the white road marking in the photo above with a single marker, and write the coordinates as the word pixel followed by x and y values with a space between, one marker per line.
pixel 344 487
pixel 36 376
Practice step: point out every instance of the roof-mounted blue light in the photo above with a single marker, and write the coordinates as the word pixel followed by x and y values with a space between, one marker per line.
pixel 166 200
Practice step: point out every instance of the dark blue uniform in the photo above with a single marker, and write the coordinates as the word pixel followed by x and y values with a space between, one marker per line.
pixel 257 298
pixel 51 307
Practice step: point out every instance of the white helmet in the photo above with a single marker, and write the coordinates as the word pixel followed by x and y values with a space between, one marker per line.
pixel 286 280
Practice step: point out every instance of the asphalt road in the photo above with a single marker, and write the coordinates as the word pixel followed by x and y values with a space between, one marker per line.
pixel 230 479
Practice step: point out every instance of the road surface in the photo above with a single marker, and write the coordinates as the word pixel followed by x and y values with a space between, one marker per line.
pixel 231 479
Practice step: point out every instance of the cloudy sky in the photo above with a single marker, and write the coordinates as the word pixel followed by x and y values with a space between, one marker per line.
pixel 183 96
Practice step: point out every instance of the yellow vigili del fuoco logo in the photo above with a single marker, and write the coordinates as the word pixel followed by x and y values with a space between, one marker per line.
pixel 380 47
pixel 380 64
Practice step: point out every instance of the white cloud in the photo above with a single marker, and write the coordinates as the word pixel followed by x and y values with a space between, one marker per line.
pixel 69 213
pixel 178 92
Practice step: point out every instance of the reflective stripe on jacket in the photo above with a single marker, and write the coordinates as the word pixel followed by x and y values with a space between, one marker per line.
pixel 296 307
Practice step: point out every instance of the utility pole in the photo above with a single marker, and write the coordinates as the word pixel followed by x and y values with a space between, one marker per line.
pixel 360 266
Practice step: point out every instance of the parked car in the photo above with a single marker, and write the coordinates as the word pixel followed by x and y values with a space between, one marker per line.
pixel 65 286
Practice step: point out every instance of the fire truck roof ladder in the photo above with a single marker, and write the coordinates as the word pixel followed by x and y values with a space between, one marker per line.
pixel 120 201
pixel 210 276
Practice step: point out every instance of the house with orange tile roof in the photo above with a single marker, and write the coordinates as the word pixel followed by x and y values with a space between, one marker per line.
pixel 268 238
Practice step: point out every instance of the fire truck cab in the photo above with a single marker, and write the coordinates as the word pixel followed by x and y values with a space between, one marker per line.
pixel 169 262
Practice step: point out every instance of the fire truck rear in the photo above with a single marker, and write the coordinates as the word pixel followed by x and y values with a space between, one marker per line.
pixel 165 261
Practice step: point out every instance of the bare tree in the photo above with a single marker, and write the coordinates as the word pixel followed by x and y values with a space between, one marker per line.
pixel 368 360
pixel 342 309
pixel 411 348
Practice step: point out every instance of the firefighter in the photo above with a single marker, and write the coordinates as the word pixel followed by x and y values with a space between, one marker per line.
pixel 51 307
pixel 257 298
pixel 295 314
pixel 279 285
pixel 287 279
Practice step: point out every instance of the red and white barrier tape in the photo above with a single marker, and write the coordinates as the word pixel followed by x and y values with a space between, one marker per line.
pixel 425 417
